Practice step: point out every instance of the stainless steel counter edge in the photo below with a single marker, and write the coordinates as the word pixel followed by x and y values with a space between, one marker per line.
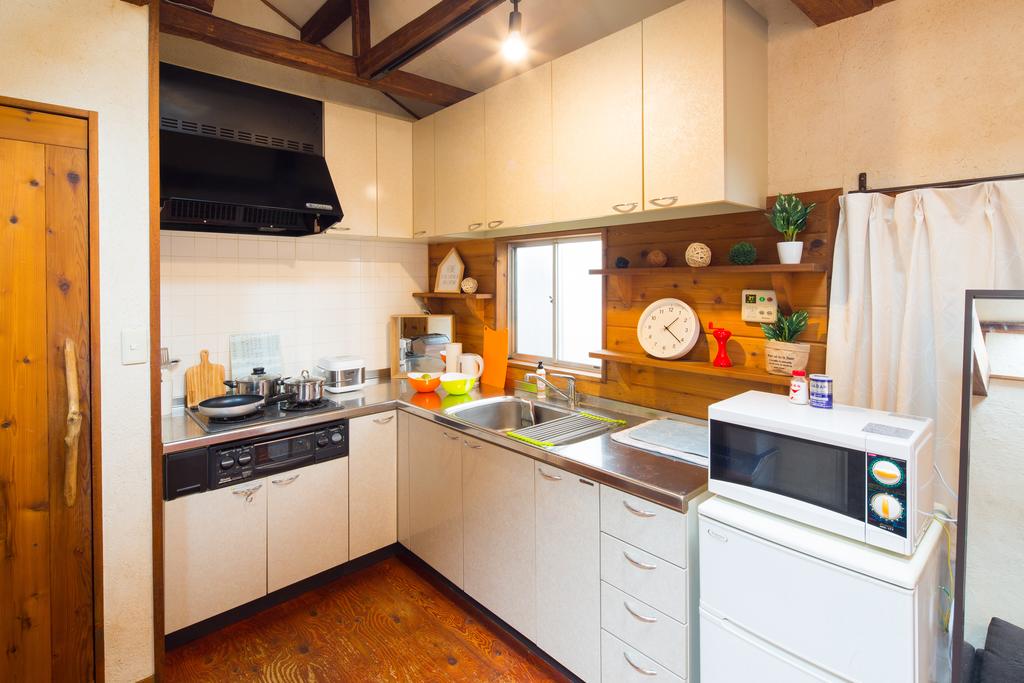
pixel 598 458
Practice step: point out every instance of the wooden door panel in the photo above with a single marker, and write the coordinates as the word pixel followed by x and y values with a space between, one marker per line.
pixel 24 476
pixel 67 317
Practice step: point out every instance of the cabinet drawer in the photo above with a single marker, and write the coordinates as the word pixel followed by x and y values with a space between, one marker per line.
pixel 644 576
pixel 636 623
pixel 621 663
pixel 646 525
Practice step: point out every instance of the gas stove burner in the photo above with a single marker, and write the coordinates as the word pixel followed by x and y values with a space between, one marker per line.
pixel 237 418
pixel 302 407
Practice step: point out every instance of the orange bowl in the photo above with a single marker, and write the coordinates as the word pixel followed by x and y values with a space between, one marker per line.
pixel 424 381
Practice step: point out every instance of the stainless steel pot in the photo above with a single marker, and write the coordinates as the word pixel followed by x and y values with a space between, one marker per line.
pixel 259 382
pixel 307 388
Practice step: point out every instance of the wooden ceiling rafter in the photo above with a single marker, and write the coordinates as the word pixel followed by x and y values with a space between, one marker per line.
pixel 360 28
pixel 253 42
pixel 331 15
pixel 823 12
pixel 420 34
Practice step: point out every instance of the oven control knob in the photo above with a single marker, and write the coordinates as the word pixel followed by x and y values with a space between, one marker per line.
pixel 336 437
pixel 322 440
pixel 227 462
pixel 887 506
pixel 886 473
pixel 244 459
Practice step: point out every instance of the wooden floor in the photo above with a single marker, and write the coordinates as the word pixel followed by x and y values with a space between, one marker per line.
pixel 383 623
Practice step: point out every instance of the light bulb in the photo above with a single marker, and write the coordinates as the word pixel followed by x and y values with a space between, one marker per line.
pixel 514 49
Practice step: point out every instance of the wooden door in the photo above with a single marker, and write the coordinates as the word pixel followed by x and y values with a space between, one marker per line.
pixel 373 482
pixel 46 545
pixel 597 114
pixel 459 176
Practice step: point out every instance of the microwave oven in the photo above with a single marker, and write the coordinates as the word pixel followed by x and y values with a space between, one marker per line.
pixel 860 473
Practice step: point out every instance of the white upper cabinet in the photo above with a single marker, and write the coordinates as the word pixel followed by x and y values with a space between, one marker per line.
pixel 519 147
pixel 394 177
pixel 423 177
pixel 597 100
pixel 460 185
pixel 350 148
pixel 704 131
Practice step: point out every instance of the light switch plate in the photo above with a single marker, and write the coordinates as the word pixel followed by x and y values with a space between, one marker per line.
pixel 759 306
pixel 134 345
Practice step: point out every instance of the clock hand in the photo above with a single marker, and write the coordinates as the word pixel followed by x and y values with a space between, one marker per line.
pixel 673 333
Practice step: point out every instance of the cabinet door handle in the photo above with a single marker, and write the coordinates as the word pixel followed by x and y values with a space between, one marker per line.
pixel 549 477
pixel 449 436
pixel 286 481
pixel 474 446
pixel 73 424
pixel 639 617
pixel 637 511
pixel 475 226
pixel 637 563
pixel 419 233
pixel 491 225
pixel 625 207
pixel 665 201
pixel 341 228
pixel 384 420
pixel 248 493
pixel 638 668
pixel 717 536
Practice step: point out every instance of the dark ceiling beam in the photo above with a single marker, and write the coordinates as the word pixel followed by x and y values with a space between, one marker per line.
pixel 422 33
pixel 331 15
pixel 823 12
pixel 360 28
pixel 315 59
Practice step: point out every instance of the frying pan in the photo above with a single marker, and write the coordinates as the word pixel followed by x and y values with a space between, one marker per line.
pixel 237 405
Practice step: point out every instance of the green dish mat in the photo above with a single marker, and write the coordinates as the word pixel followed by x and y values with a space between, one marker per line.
pixel 532 442
pixel 603 419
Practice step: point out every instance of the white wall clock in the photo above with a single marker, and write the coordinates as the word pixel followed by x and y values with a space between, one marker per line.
pixel 668 329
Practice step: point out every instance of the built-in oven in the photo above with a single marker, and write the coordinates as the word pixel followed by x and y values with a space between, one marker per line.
pixel 864 474
pixel 236 461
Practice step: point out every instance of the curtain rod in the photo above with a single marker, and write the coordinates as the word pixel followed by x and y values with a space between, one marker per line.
pixel 862 183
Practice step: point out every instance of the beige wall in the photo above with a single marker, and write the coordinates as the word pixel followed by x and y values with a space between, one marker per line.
pixel 92 54
pixel 913 91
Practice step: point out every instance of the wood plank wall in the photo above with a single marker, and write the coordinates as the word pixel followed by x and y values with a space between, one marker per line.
pixel 714 296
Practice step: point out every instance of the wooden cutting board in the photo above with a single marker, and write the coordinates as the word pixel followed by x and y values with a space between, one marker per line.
pixel 203 381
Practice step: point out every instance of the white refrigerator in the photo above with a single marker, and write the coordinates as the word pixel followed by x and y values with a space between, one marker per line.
pixel 781 602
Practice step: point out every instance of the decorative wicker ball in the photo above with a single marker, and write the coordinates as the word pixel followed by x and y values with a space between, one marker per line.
pixel 656 258
pixel 698 255
pixel 469 285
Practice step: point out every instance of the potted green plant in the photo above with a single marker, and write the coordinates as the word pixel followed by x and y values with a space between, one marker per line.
pixel 783 356
pixel 789 216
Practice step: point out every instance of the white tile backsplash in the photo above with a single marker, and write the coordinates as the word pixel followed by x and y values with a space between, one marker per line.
pixel 324 295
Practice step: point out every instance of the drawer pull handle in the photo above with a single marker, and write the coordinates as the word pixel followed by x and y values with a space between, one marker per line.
pixel 491 225
pixel 625 207
pixel 717 536
pixel 549 477
pixel 665 201
pixel 639 617
pixel 637 563
pixel 637 511
pixel 449 436
pixel 475 226
pixel 474 446
pixel 638 668
pixel 285 482
pixel 384 420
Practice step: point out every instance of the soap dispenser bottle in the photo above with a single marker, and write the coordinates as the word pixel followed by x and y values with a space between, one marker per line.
pixel 542 389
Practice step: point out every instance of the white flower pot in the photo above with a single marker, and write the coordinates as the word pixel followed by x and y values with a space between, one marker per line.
pixel 790 252
pixel 782 358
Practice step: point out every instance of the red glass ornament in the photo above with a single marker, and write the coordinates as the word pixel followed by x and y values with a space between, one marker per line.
pixel 721 335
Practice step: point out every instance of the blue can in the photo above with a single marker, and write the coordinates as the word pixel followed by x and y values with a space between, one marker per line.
pixel 821 391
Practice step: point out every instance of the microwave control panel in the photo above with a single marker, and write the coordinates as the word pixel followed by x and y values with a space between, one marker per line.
pixel 887 494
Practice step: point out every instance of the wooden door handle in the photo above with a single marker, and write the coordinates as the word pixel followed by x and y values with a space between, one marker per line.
pixel 74 424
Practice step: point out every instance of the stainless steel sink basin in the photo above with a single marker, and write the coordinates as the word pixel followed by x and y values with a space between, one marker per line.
pixel 506 413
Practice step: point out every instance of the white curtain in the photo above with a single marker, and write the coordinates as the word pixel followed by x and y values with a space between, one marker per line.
pixel 896 316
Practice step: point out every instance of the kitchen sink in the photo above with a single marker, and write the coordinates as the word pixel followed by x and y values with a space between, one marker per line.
pixel 506 413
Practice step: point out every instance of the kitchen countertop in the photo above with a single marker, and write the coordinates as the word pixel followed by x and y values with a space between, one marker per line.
pixel 659 479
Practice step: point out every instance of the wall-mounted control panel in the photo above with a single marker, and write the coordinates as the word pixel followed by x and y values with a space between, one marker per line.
pixel 759 306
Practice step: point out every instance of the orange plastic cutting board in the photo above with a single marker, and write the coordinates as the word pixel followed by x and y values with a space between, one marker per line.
pixel 495 357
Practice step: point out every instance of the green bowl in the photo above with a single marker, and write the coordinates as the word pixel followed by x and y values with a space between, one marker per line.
pixel 457 383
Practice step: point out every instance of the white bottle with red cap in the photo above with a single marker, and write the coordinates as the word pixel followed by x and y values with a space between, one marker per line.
pixel 799 390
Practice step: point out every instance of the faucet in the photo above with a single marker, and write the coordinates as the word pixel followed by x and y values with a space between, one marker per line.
pixel 571 396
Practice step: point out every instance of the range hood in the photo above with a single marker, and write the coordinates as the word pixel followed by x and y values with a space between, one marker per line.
pixel 238 158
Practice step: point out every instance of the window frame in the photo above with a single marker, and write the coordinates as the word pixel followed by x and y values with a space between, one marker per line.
pixel 512 244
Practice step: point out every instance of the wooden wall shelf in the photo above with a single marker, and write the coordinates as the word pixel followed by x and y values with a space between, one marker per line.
pixel 781 276
pixel 474 302
pixel 741 373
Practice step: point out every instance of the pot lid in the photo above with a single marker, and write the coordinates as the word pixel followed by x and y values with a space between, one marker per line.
pixel 304 379
pixel 259 374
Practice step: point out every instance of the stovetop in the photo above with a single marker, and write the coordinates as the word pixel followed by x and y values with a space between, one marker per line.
pixel 271 413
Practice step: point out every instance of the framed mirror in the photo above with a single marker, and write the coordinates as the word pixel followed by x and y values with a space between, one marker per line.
pixel 988 625
pixel 417 341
